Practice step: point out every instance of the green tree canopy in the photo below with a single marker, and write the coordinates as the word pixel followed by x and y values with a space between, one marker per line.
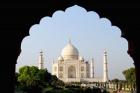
pixel 30 79
pixel 130 74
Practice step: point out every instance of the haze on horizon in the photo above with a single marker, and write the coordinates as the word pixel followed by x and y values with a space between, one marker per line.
pixel 90 33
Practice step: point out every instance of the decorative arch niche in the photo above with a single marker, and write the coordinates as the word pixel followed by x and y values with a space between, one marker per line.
pixel 71 72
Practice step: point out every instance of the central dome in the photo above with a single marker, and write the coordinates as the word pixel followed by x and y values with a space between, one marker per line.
pixel 69 52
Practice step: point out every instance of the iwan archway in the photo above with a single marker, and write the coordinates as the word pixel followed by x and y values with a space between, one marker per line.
pixel 17 25
pixel 72 72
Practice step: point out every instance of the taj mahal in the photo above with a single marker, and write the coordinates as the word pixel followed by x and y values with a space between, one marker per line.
pixel 70 67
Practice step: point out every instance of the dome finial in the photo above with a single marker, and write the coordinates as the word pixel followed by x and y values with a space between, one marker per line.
pixel 105 51
pixel 41 52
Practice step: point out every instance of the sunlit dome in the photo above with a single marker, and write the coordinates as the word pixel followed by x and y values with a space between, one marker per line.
pixel 70 52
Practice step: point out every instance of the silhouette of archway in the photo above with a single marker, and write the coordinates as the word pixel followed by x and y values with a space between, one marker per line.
pixel 40 30
pixel 16 25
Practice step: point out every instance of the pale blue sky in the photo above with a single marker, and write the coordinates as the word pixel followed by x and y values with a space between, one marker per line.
pixel 89 32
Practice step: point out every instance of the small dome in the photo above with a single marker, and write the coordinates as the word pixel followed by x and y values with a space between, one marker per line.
pixel 70 52
pixel 60 58
pixel 81 58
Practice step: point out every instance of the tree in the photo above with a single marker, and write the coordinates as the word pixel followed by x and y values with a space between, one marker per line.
pixel 130 77
pixel 55 82
pixel 32 80
pixel 43 76
pixel 28 80
pixel 115 82
pixel 130 74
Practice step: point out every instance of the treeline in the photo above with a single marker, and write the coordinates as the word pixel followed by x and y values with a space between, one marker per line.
pixel 32 80
pixel 129 84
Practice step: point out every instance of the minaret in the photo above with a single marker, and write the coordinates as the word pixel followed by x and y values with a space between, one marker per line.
pixel 92 68
pixel 41 61
pixel 105 67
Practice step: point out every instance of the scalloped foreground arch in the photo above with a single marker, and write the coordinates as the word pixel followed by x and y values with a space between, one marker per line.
pixel 15 24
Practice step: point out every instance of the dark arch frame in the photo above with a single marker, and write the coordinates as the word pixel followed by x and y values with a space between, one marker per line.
pixel 17 17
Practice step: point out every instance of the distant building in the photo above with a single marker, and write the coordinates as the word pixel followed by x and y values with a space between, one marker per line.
pixel 70 67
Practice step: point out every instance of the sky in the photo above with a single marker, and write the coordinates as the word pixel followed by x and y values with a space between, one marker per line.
pixel 90 33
